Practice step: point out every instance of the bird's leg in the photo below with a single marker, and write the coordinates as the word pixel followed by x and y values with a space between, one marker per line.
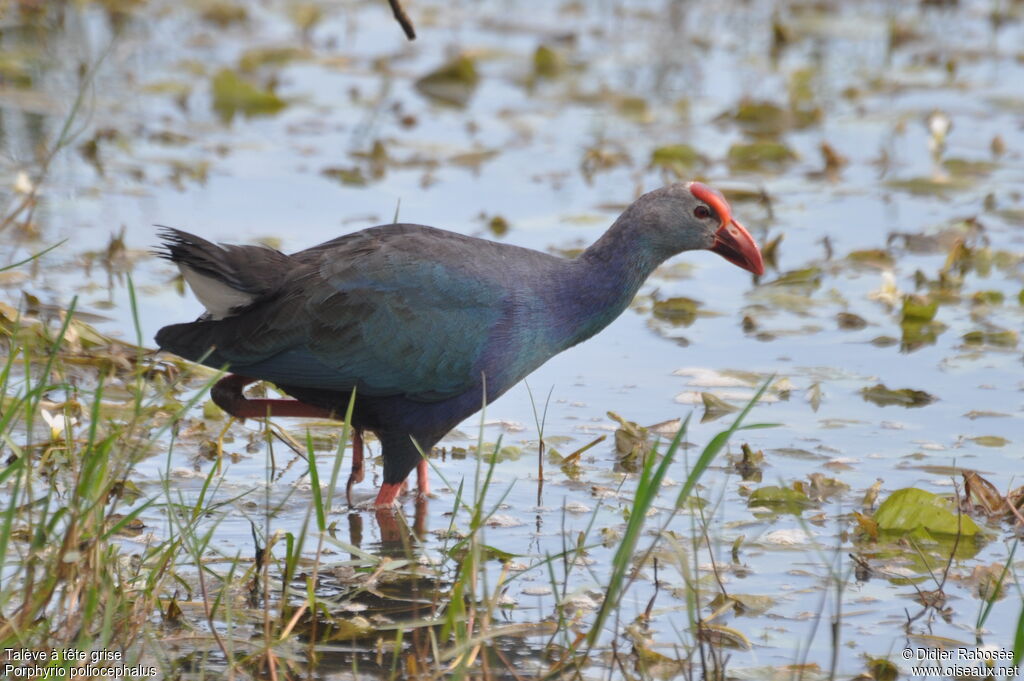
pixel 358 471
pixel 389 491
pixel 227 394
pixel 423 478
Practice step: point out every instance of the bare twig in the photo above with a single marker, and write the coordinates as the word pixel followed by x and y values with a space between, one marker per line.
pixel 403 19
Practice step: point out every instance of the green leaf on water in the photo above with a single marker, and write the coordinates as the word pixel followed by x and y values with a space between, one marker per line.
pixel 223 14
pixel 850 321
pixel 759 117
pixel 547 63
pixel 763 155
pixel 715 407
pixel 452 83
pixel 809 276
pixel 352 177
pixel 918 309
pixel 929 186
pixel 678 158
pixel 1004 338
pixel 912 510
pixel 902 397
pixel 988 298
pixel 254 58
pixel 232 94
pixel 990 441
pixel 872 257
pixel 961 167
pixel 680 311
pixel 779 499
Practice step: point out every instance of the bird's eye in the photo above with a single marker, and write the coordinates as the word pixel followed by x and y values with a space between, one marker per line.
pixel 702 212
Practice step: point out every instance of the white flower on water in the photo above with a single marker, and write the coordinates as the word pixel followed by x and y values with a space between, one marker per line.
pixel 23 184
pixel 888 294
pixel 57 422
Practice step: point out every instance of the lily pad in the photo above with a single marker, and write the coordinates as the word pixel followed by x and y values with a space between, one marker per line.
pixel 902 397
pixel 912 510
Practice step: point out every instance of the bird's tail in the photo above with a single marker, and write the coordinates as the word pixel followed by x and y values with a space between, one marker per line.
pixel 225 279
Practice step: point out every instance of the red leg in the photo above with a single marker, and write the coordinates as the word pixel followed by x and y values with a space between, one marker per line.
pixel 227 394
pixel 358 471
pixel 423 478
pixel 388 494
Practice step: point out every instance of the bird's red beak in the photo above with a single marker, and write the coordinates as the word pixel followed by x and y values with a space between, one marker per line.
pixel 734 243
pixel 732 240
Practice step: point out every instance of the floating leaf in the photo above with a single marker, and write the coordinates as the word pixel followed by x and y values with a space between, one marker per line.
pixel 760 155
pixel 453 83
pixel 881 669
pixel 750 605
pixel 820 488
pixel 253 59
pixel 759 117
pixel 979 414
pixel 988 298
pixel 631 443
pixel 814 395
pixel 349 176
pixel 929 186
pixel 903 397
pixel 1003 339
pixel 780 499
pixel 715 407
pixel 224 14
pixel 918 309
pixel 910 510
pixel 679 311
pixel 723 637
pixel 983 493
pixel 547 63
pixel 850 321
pixel 872 257
pixel 770 251
pixel 990 441
pixel 809 276
pixel 635 108
pixel 498 225
pixel 960 167
pixel 232 94
pixel 679 158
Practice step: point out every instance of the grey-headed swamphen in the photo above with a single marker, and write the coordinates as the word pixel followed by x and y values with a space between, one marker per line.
pixel 421 322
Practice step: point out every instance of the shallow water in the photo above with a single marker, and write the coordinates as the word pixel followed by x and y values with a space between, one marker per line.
pixel 869 75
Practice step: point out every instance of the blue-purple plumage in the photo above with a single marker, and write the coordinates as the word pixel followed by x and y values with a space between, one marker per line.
pixel 418 320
